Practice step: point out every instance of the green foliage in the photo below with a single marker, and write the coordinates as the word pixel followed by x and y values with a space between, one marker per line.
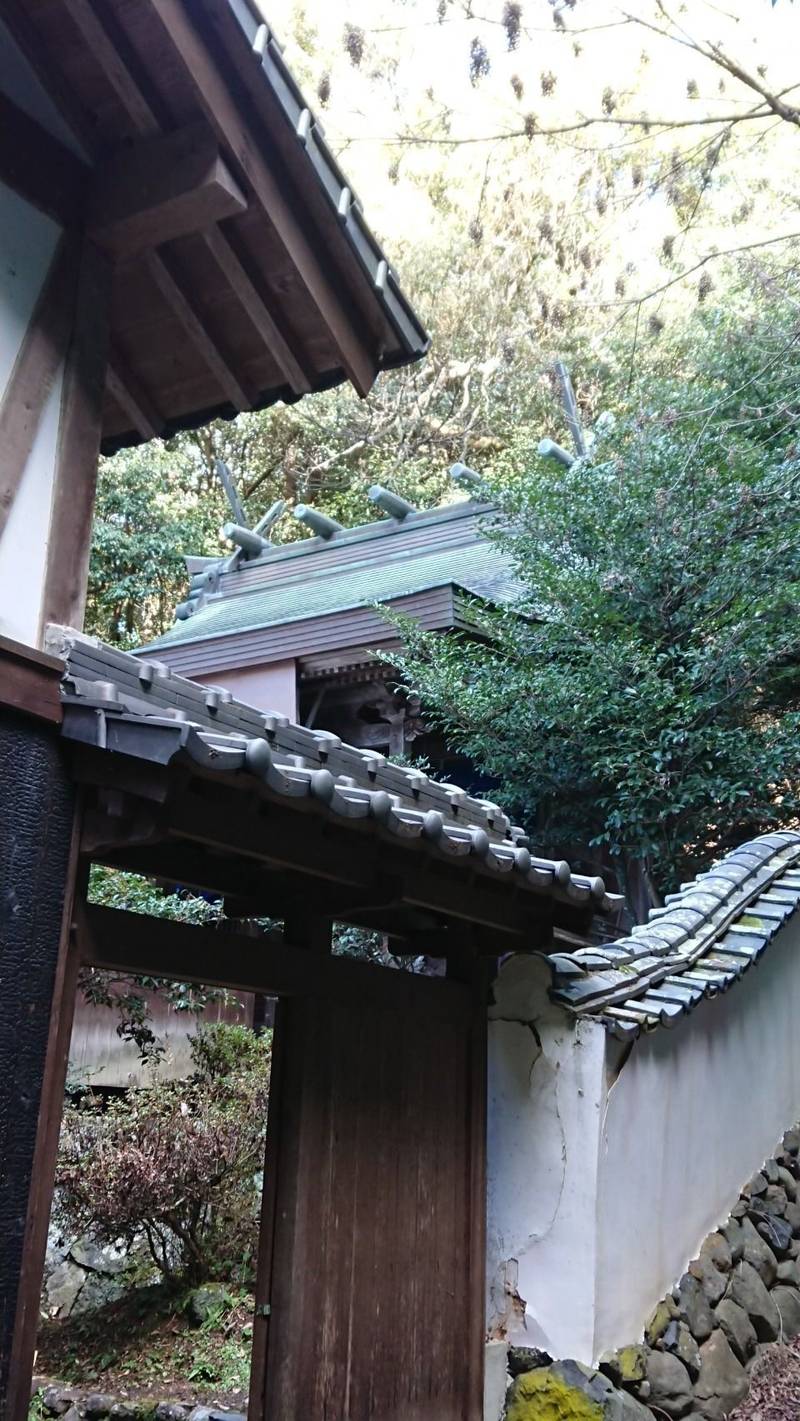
pixel 645 703
pixel 175 1164
pixel 126 995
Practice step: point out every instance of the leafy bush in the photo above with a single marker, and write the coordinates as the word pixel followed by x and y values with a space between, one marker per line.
pixel 641 702
pixel 174 1165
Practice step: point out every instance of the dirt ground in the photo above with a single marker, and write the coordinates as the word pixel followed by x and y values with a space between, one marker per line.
pixel 774 1386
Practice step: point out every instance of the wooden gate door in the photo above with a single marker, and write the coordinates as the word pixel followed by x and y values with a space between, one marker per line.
pixel 371 1292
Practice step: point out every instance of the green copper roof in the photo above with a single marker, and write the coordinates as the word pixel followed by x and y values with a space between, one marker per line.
pixel 479 568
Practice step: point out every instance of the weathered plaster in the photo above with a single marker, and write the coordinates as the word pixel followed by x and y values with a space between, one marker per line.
pixel 692 1114
pixel 608 1165
pixel 546 1087
pixel 27 243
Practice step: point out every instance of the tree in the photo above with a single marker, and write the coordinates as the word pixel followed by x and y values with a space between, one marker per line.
pixel 173 1165
pixel 641 697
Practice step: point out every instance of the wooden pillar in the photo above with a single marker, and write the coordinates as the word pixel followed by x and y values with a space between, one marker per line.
pixel 79 433
pixel 38 857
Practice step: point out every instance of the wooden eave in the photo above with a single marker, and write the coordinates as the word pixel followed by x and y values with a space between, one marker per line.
pixel 242 279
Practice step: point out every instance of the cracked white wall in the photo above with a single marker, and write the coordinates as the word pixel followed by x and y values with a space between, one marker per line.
pixel 694 1112
pixel 546 1096
pixel 608 1165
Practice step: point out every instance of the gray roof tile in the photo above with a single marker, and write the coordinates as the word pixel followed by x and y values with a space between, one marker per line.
pixel 731 914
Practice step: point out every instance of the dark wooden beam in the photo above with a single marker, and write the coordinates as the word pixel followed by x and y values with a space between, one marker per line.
pixel 30 681
pixel 253 304
pixel 33 375
pixel 224 111
pixel 120 941
pixel 78 445
pixel 29 39
pixel 159 189
pixel 165 276
pixel 119 64
pixel 40 168
pixel 48 1127
pixel 132 398
pixel 323 850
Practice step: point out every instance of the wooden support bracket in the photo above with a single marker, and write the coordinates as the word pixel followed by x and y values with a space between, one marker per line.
pixel 159 189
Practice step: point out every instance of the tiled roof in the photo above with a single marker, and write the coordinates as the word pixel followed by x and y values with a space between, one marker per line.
pixel 138 708
pixel 701 942
pixel 376 563
pixel 479 570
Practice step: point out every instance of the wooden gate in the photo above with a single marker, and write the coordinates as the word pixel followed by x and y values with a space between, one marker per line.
pixel 370 1301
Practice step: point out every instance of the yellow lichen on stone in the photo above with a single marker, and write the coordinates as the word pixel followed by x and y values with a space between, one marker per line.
pixel 541 1396
pixel 631 1364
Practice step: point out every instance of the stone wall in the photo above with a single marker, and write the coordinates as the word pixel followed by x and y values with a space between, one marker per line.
pixel 741 1292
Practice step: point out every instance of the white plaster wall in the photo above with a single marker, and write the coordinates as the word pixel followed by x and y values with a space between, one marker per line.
pixel 27 244
pixel 692 1115
pixel 545 1103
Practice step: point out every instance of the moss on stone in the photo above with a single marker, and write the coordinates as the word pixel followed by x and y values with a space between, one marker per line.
pixel 631 1364
pixel 660 1319
pixel 542 1396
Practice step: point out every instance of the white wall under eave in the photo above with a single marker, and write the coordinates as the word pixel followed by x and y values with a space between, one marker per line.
pixel 27 245
pixel 26 537
pixel 546 1096
pixel 693 1113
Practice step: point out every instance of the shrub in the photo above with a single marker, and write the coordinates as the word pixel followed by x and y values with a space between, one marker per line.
pixel 174 1165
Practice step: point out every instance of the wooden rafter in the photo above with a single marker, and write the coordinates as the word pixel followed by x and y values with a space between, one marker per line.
pixel 118 64
pixel 131 397
pixel 29 40
pixel 224 113
pixel 221 248
pixel 165 276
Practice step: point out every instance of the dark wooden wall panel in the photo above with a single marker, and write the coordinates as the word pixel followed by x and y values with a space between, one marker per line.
pixel 36 809
pixel 373 1286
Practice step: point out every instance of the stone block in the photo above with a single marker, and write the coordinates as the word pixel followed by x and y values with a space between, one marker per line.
pixel 626 1367
pixel 737 1327
pixel 709 1277
pixel 527 1359
pixel 660 1319
pixel 717 1248
pixel 694 1308
pixel 788 1183
pixel 748 1291
pixel 787 1301
pixel 670 1384
pixel 776 1233
pixel 732 1232
pixel 679 1340
pixel 791 1142
pixel 758 1253
pixel 722 1382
